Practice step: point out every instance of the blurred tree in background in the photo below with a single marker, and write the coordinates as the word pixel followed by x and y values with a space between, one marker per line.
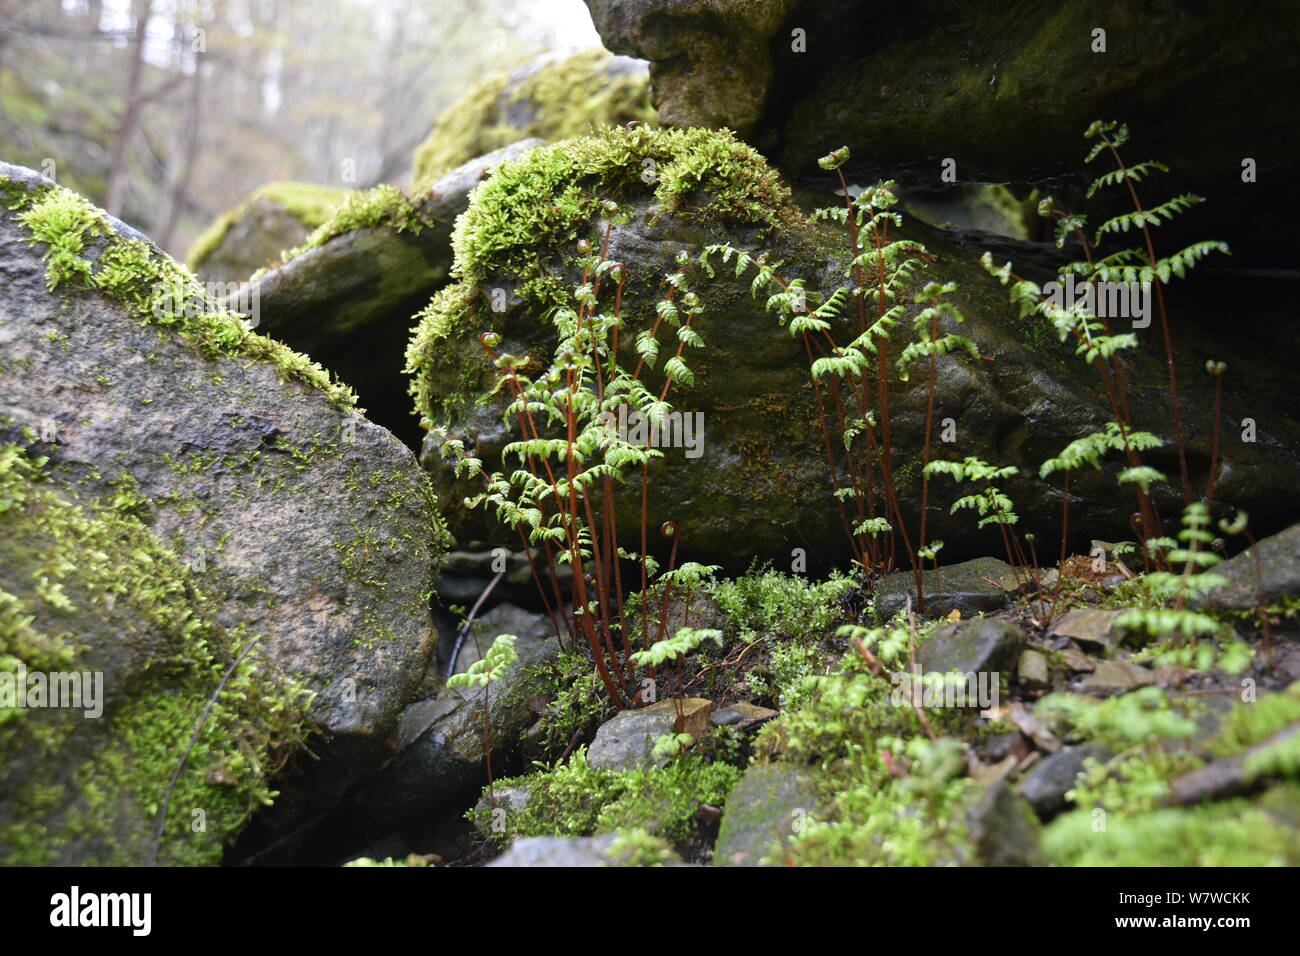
pixel 167 112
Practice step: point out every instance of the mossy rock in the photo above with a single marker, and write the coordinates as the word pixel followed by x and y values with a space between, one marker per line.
pixel 277 216
pixel 238 483
pixel 553 97
pixel 761 486
pixel 346 294
pixel 764 812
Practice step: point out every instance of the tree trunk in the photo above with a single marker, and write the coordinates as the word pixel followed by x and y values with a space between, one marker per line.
pixel 115 194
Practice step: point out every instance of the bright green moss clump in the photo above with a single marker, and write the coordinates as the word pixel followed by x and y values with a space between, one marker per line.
pixel 1122 817
pixel 369 209
pixel 85 586
pixel 310 203
pixel 573 799
pixel 546 199
pixel 83 251
pixel 559 101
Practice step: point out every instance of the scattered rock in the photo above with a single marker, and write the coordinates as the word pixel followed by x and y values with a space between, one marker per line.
pixel 1046 785
pixel 1003 829
pixel 507 799
pixel 441 741
pixel 978 646
pixel 626 741
pixel 1089 627
pixel 971 587
pixel 1033 670
pixel 763 813
pixel 741 714
pixel 1112 678
pixel 1076 660
pixel 533 631
pixel 1270 570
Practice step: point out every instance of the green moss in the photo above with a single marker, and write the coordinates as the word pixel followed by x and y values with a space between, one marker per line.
pixel 369 555
pixel 573 799
pixel 310 203
pixel 540 203
pixel 1230 833
pixel 83 252
pixel 870 815
pixel 1123 818
pixel 88 587
pixel 565 99
pixel 369 209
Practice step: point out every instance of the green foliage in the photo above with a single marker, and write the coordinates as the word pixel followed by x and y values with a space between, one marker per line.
pixel 573 799
pixel 1144 715
pixel 500 657
pixel 991 503
pixel 1121 817
pixel 635 847
pixel 1248 724
pixel 1164 616
pixel 685 641
pixel 779 606
pixel 1229 833
pixel 918 819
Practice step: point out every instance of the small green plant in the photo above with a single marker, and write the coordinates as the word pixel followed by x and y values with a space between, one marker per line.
pixel 1165 615
pixel 491 667
pixel 572 458
pixel 1087 321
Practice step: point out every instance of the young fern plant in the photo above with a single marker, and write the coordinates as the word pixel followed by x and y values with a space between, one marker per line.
pixel 991 504
pixel 500 657
pixel 851 376
pixel 1165 616
pixel 571 458
pixel 687 640
pixel 1086 321
pixel 1089 450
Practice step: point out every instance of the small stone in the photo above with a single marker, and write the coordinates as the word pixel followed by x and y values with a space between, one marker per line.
pixel 741 714
pixel 1033 671
pixel 1046 785
pixel 969 587
pixel 559 851
pixel 1076 660
pixel 763 813
pixel 1090 628
pixel 1112 678
pixel 1003 829
pixel 978 646
pixel 627 740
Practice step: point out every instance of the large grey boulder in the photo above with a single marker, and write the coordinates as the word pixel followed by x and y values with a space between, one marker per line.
pixel 248 485
pixel 348 301
pixel 761 465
